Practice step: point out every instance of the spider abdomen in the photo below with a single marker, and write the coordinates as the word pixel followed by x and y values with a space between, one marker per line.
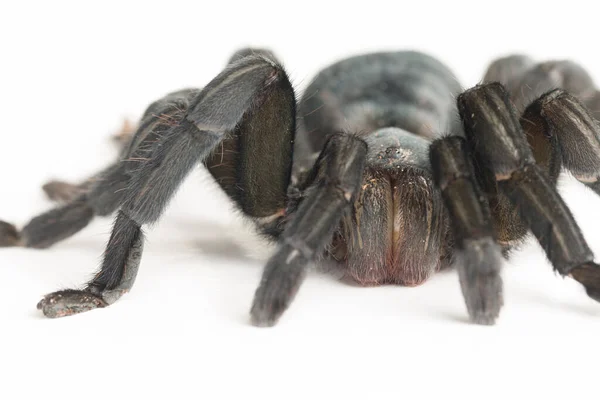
pixel 408 90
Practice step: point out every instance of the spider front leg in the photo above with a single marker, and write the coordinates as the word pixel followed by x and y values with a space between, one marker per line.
pixel 478 261
pixel 502 151
pixel 247 114
pixel 337 175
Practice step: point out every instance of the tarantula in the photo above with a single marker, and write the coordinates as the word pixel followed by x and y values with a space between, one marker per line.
pixel 387 168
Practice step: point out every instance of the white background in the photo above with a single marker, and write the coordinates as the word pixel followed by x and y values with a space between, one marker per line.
pixel 70 73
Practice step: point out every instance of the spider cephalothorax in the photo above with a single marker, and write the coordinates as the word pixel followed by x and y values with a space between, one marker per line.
pixel 385 167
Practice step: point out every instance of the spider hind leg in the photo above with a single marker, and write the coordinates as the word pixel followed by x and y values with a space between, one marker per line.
pixel 102 194
pixel 63 192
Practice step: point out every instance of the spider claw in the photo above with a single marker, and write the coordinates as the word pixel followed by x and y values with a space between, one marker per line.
pixel 69 302
pixel 481 283
pixel 589 276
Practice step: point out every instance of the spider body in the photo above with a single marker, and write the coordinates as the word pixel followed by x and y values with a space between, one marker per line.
pixel 396 102
pixel 384 166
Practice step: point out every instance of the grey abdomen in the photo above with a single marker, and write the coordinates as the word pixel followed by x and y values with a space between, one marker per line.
pixel 408 90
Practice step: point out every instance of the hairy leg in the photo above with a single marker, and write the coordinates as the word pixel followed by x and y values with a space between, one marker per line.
pixel 336 181
pixel 64 192
pixel 110 283
pixel 563 133
pixel 494 131
pixel 478 258
pixel 526 80
pixel 228 107
pixel 105 192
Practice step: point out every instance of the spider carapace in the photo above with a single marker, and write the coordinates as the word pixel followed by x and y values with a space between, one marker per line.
pixel 385 166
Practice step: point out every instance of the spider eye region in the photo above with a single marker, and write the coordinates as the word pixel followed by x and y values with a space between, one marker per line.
pixel 395 148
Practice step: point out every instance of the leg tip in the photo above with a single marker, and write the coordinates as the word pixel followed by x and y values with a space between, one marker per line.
pixel 281 280
pixel 589 276
pixel 9 235
pixel 69 302
pixel 484 300
pixel 485 318
pixel 263 320
pixel 593 294
pixel 125 133
pixel 480 280
pixel 265 314
pixel 60 191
